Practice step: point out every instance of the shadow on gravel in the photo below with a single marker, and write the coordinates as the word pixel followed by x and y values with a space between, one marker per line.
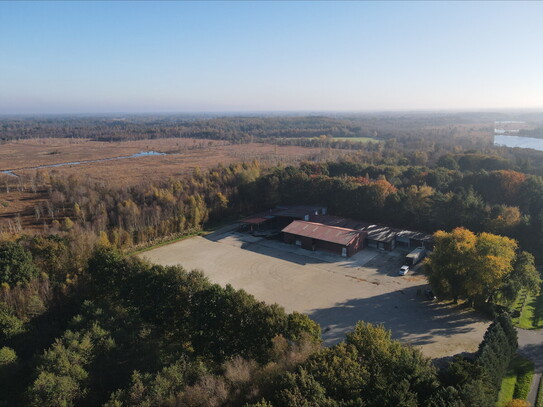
pixel 531 346
pixel 410 318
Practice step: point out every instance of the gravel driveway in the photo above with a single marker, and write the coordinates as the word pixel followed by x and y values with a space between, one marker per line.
pixel 334 291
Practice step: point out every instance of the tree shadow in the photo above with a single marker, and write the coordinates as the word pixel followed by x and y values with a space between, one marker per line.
pixel 410 318
pixel 534 352
pixel 537 303
pixel 382 262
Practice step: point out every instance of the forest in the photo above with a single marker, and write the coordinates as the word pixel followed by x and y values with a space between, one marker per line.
pixel 83 323
pixel 257 125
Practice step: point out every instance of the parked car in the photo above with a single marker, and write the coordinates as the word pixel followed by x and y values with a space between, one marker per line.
pixel 403 270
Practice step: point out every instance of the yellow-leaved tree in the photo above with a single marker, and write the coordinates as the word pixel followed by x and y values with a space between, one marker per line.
pixel 476 268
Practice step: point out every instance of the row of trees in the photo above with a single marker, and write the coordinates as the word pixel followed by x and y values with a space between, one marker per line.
pixel 499 201
pixel 477 381
pixel 503 202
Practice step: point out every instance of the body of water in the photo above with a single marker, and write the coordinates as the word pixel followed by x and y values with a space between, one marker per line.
pixel 140 154
pixel 516 141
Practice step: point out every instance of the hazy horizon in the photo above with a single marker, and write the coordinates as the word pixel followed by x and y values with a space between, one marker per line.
pixel 264 57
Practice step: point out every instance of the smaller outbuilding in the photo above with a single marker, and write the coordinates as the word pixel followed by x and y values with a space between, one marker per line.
pixel 281 216
pixel 316 236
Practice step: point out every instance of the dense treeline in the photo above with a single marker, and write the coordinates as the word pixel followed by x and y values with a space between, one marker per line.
pixel 477 191
pixel 130 127
pixel 500 201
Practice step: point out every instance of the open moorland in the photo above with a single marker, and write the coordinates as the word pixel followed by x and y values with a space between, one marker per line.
pixel 181 155
pixel 334 291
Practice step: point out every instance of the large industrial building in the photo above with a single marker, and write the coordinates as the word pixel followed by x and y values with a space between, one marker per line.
pixel 316 236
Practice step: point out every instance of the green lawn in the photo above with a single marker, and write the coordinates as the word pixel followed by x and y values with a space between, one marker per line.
pixel 507 389
pixel 357 139
pixel 353 139
pixel 532 313
pixel 163 243
pixel 517 380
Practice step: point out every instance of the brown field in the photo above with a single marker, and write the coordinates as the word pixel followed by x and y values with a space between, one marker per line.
pixel 184 155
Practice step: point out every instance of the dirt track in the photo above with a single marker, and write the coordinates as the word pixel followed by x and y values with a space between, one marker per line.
pixel 334 291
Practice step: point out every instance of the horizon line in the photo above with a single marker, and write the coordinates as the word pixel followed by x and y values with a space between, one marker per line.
pixel 276 111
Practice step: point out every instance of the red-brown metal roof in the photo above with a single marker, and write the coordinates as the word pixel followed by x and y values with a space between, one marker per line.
pixel 319 231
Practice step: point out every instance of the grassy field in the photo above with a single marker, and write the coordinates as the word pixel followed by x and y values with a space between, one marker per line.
pixel 353 139
pixel 517 380
pixel 182 157
pixel 164 243
pixel 357 139
pixel 531 316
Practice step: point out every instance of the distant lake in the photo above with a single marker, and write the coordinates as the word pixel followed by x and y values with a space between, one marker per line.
pixel 516 141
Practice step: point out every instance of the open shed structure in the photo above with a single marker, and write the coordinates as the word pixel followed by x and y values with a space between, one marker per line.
pixel 316 236
pixel 380 236
pixel 281 216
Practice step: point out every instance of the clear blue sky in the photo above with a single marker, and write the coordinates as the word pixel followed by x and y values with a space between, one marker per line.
pixel 68 57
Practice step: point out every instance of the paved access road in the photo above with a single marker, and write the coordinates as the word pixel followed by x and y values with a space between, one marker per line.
pixel 530 344
pixel 334 291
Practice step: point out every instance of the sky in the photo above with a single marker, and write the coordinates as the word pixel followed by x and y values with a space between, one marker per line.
pixel 105 57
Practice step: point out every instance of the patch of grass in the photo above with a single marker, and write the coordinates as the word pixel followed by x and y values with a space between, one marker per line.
pixel 517 380
pixel 164 243
pixel 357 139
pixel 531 316
pixel 539 398
pixel 507 389
pixel 524 381
pixel 353 139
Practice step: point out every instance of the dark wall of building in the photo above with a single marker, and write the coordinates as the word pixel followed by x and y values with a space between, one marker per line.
pixel 316 244
pixel 328 246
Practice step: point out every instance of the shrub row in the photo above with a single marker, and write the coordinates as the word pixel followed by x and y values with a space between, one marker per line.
pixel 524 381
pixel 539 399
pixel 498 347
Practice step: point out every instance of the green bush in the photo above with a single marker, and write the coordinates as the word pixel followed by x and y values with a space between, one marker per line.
pixel 7 356
pixel 522 387
pixel 539 399
pixel 525 373
pixel 16 264
pixel 8 361
pixel 10 325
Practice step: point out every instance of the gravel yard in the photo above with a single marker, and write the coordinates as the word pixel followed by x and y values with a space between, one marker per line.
pixel 334 291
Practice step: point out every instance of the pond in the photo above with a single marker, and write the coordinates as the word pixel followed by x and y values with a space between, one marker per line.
pixel 140 154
